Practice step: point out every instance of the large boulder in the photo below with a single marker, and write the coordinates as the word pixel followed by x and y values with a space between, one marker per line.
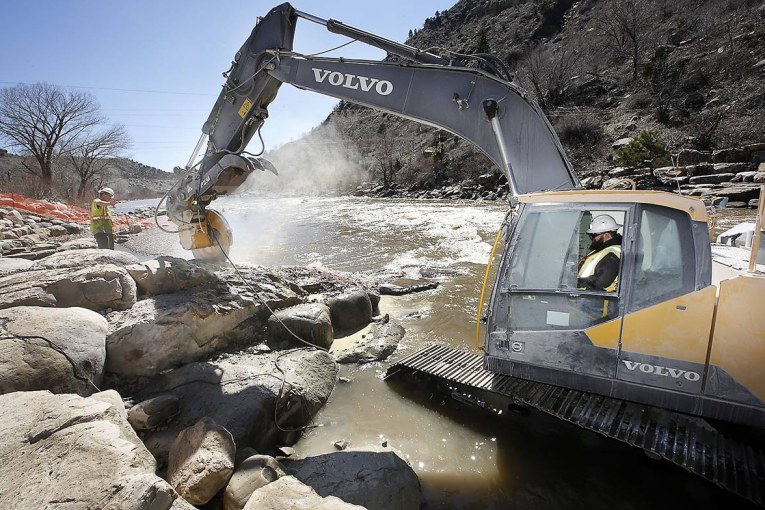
pixel 57 349
pixel 246 395
pixel 97 287
pixel 350 311
pixel 68 451
pixel 169 274
pixel 85 258
pixel 311 322
pixel 736 192
pixel 154 412
pixel 380 342
pixel 288 492
pixel 173 329
pixel 201 461
pixel 250 475
pixel 375 480
pixel 147 492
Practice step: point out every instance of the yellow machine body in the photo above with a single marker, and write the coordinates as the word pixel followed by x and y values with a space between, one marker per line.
pixel 666 336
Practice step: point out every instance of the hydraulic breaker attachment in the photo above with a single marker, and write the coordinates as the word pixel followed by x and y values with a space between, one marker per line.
pixel 208 235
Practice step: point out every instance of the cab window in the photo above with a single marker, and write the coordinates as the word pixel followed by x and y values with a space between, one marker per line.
pixel 542 275
pixel 666 265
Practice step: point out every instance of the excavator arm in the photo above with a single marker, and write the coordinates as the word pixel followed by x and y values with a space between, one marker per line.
pixel 476 102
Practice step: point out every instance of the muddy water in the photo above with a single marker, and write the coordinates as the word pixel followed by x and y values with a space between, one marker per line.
pixel 464 459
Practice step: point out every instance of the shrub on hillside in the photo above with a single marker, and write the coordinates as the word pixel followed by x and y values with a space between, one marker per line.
pixel 645 147
pixel 579 130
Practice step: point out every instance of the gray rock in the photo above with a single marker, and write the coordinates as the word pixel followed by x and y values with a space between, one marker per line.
pixel 744 177
pixel 737 192
pixel 375 480
pixel 311 322
pixel 246 395
pixel 253 473
pixel 289 493
pixel 622 142
pixel 146 492
pixel 700 169
pixel 759 177
pixel 96 287
pixel 12 266
pixel 733 155
pixel 350 311
pixel 66 450
pixel 692 157
pixel 732 168
pixel 169 330
pixel 83 243
pixel 57 231
pixel 620 172
pixel 201 461
pixel 169 274
pixel 85 258
pixel 377 345
pixel 402 286
pixel 711 179
pixel 154 412
pixel 61 350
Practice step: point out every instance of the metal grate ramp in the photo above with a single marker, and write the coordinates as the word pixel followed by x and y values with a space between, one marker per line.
pixel 684 440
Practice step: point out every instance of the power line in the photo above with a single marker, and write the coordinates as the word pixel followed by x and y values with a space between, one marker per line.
pixel 119 90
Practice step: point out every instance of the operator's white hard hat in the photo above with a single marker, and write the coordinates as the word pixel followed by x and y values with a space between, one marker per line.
pixel 106 190
pixel 602 223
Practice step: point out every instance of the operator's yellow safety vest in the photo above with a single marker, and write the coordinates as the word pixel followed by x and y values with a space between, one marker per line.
pixel 100 218
pixel 592 260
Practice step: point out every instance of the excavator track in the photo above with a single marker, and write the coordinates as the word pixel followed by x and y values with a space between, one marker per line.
pixel 687 441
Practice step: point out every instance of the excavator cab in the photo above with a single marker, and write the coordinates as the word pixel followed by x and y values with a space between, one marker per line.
pixel 645 339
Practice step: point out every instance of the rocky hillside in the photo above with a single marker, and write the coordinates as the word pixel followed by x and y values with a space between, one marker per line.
pixel 131 179
pixel 128 178
pixel 687 72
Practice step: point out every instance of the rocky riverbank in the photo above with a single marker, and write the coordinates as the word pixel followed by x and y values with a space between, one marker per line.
pixel 733 173
pixel 171 384
pixel 32 229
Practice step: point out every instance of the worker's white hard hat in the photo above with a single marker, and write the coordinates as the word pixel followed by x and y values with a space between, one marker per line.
pixel 106 190
pixel 602 223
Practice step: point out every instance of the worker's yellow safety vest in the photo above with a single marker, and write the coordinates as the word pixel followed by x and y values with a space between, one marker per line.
pixel 100 218
pixel 592 260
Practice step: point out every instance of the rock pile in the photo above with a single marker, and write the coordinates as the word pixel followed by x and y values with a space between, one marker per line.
pixel 31 236
pixel 33 229
pixel 209 383
pixel 734 173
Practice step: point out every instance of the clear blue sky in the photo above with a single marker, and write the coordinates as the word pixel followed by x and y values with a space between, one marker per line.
pixel 169 56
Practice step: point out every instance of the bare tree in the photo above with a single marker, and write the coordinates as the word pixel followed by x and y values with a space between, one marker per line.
pixel 387 154
pixel 92 151
pixel 44 121
pixel 627 27
pixel 549 72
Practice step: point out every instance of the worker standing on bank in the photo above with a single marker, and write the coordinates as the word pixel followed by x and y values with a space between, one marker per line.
pixel 599 269
pixel 101 218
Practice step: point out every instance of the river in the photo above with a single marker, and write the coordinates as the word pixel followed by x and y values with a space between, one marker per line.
pixel 464 459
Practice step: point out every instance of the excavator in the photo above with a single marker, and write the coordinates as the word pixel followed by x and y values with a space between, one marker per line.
pixel 666 359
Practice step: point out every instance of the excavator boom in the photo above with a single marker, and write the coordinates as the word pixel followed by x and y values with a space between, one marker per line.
pixel 478 105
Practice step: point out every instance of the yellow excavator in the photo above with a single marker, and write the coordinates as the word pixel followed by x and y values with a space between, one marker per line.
pixel 673 344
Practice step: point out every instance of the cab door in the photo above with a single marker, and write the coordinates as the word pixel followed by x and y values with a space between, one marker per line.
pixel 540 319
pixel 667 322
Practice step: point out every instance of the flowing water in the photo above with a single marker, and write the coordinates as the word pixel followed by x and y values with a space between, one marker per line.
pixel 464 459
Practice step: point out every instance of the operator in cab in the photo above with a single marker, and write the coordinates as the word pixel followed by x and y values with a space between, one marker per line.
pixel 101 218
pixel 599 269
